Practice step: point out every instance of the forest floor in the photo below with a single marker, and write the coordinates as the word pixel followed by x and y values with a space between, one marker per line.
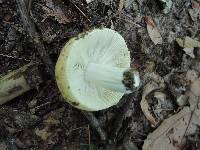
pixel 163 42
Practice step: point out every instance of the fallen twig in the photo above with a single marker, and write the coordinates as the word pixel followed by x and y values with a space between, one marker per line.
pixel 121 116
pixel 18 82
pixel 81 12
pixel 30 28
pixel 95 124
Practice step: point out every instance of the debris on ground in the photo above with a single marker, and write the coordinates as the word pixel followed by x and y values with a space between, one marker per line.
pixel 155 103
pixel 172 133
pixel 164 43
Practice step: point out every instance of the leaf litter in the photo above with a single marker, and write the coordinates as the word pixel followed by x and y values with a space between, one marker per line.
pixel 173 132
pixel 188 45
pixel 49 131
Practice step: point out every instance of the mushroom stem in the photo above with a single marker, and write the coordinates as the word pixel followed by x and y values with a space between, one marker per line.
pixel 112 78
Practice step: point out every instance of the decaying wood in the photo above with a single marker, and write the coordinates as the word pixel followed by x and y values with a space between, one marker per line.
pixel 17 82
pixel 31 30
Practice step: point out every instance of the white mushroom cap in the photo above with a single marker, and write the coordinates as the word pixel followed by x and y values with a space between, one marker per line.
pixel 90 63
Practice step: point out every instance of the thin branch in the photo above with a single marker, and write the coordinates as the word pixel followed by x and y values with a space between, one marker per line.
pixel 81 12
pixel 120 117
pixel 95 124
pixel 18 82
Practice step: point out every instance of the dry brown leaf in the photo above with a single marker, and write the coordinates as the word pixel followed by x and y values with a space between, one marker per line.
pixel 153 31
pixel 55 11
pixel 170 134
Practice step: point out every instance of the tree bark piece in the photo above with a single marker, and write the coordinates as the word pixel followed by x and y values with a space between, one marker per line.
pixel 15 83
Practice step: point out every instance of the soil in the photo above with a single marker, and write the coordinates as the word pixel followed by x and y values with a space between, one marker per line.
pixel 39 119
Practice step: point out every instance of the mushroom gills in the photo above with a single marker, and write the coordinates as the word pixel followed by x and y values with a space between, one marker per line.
pixel 93 71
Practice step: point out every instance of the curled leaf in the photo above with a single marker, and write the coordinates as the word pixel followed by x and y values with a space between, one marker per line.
pixel 150 88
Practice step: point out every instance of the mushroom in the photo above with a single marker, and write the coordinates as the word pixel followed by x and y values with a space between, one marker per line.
pixel 92 71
